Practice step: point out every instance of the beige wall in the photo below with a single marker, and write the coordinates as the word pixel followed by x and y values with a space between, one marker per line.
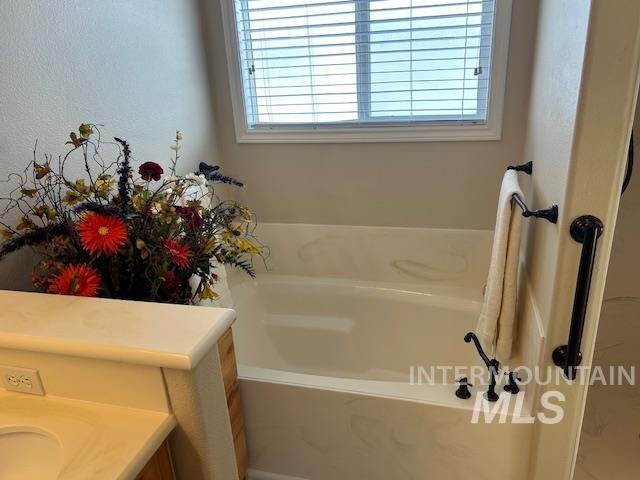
pixel 437 184
pixel 549 140
pixel 549 135
pixel 582 101
pixel 608 442
pixel 623 278
pixel 135 66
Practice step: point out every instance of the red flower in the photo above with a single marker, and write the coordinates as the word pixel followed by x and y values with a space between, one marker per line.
pixel 80 280
pixel 101 234
pixel 150 171
pixel 191 216
pixel 179 253
pixel 170 282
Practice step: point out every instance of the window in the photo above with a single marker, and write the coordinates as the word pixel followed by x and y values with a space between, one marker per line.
pixel 356 70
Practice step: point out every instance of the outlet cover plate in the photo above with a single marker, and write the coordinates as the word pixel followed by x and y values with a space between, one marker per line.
pixel 19 379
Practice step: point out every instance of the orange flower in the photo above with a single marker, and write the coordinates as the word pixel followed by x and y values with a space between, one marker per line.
pixel 80 280
pixel 179 253
pixel 102 234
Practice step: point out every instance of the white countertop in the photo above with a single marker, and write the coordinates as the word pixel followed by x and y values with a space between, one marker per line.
pixel 157 334
pixel 98 441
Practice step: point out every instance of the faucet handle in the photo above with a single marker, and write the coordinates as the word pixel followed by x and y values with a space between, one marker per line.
pixel 463 390
pixel 512 386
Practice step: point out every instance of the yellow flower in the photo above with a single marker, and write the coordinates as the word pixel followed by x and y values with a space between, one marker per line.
pixel 207 293
pixel 45 211
pixel 85 130
pixel 81 187
pixel 71 197
pixel 25 224
pixel 246 214
pixel 246 245
pixel 6 234
pixel 209 245
pixel 142 246
pixel 103 185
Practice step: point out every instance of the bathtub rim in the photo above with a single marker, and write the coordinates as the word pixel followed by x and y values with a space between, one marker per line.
pixel 472 297
pixel 435 395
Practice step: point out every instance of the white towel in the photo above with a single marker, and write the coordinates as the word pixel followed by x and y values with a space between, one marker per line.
pixel 496 326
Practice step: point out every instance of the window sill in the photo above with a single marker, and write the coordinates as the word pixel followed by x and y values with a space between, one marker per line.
pixel 371 134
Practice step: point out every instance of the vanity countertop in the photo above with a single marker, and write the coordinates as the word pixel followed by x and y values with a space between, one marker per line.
pixel 97 441
pixel 144 333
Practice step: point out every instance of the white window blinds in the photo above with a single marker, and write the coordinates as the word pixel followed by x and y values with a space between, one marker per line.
pixel 357 62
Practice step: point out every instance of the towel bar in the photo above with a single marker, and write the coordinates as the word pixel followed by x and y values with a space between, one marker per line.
pixel 526 168
pixel 550 214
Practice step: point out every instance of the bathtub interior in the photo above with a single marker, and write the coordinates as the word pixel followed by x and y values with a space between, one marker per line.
pixel 349 329
pixel 342 302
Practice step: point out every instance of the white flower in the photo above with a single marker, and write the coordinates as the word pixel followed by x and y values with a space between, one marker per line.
pixel 201 181
pixel 170 179
pixel 197 179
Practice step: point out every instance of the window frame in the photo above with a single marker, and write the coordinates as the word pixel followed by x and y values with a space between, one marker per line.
pixel 357 132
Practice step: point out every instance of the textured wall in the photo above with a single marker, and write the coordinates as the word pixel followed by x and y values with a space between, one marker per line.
pixel 582 103
pixel 609 433
pixel 435 184
pixel 550 133
pixel 622 278
pixel 135 66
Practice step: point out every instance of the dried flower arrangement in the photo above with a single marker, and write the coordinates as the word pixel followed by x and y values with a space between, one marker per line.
pixel 112 234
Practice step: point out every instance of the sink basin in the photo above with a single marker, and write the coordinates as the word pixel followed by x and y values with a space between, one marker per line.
pixel 29 452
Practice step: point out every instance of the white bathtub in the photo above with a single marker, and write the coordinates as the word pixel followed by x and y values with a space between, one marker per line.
pixel 324 366
pixel 350 330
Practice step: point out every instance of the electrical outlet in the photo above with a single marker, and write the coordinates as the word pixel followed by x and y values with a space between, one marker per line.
pixel 18 379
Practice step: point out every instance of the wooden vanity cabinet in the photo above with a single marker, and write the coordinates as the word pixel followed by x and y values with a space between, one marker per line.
pixel 159 466
pixel 227 356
